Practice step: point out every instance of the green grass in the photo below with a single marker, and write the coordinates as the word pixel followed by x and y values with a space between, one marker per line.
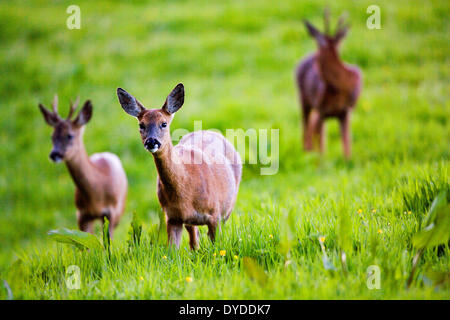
pixel 236 60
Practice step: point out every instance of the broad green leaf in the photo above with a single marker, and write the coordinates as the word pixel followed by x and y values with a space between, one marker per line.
pixel 81 240
pixel 439 202
pixel 438 229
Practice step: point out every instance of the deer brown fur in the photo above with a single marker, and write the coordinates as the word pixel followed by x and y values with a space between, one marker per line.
pixel 100 181
pixel 327 87
pixel 198 179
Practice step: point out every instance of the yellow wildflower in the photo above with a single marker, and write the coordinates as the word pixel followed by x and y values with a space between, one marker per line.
pixel 360 211
pixel 189 279
pixel 322 239
pixel 380 231
pixel 164 257
pixel 236 257
pixel 270 236
pixel 141 278
pixel 222 252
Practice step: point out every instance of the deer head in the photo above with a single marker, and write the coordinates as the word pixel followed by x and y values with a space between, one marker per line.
pixel 67 133
pixel 327 41
pixel 153 123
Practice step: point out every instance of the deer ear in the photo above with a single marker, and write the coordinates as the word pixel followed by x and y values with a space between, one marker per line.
pixel 51 118
pixel 85 114
pixel 316 34
pixel 174 100
pixel 129 103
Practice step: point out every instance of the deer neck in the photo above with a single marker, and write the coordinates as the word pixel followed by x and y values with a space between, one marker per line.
pixel 81 169
pixel 170 167
pixel 334 71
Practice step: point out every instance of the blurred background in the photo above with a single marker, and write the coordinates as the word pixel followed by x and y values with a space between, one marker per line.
pixel 236 59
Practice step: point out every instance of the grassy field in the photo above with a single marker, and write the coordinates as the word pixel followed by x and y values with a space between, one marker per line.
pixel 236 60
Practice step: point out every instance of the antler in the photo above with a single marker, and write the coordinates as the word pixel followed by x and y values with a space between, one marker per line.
pixel 341 22
pixel 55 104
pixel 73 107
pixel 326 20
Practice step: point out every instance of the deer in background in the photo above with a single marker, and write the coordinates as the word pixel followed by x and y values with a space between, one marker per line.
pixel 198 179
pixel 327 87
pixel 100 181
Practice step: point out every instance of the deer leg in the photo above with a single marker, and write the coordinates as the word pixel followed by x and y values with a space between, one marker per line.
pixel 85 223
pixel 305 118
pixel 305 135
pixel 193 236
pixel 345 135
pixel 317 135
pixel 212 227
pixel 322 136
pixel 313 121
pixel 174 231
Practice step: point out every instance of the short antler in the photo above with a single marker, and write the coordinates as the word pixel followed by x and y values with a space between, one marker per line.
pixel 341 25
pixel 73 107
pixel 326 20
pixel 55 104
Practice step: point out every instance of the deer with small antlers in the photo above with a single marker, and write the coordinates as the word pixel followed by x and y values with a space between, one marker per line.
pixel 327 87
pixel 198 179
pixel 100 180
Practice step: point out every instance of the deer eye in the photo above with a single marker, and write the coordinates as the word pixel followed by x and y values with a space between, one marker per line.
pixel 164 124
pixel 141 126
pixel 69 136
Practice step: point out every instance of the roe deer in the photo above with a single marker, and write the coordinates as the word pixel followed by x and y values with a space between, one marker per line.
pixel 100 181
pixel 198 179
pixel 327 87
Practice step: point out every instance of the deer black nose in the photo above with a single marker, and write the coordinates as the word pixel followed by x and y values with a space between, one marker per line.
pixel 152 144
pixel 56 156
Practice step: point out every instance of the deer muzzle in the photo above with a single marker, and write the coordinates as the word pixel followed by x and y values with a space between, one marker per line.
pixel 152 144
pixel 56 156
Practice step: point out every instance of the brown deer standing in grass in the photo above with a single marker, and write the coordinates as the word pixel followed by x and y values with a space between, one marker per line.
pixel 100 181
pixel 327 87
pixel 198 179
